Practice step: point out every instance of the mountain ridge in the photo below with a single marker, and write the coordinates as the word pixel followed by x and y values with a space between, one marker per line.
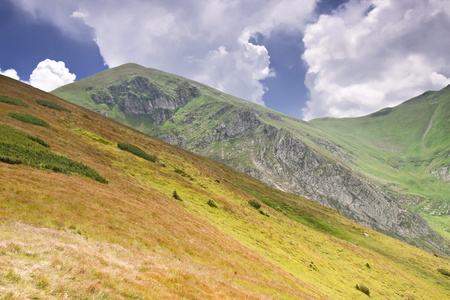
pixel 237 132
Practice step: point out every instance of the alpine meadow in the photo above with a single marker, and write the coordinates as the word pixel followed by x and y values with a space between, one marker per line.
pixel 93 209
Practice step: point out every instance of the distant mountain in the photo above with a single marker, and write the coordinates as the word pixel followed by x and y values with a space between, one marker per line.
pixel 406 149
pixel 287 153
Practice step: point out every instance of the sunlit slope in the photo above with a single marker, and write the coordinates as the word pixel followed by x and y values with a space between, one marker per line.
pixel 407 149
pixel 129 238
pixel 279 150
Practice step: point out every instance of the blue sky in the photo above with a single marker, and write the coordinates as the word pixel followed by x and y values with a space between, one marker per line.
pixel 305 58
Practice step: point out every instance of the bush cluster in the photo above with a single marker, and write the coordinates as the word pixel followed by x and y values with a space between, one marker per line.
pixel 362 288
pixel 13 101
pixel 176 196
pixel 29 119
pixel 18 147
pixel 255 204
pixel 184 174
pixel 51 105
pixel 444 272
pixel 44 159
pixel 136 151
pixel 212 203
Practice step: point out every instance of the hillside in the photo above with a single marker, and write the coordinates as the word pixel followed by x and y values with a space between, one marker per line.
pixel 66 232
pixel 407 149
pixel 282 151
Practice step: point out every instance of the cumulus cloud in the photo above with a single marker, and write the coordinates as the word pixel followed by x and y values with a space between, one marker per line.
pixel 372 54
pixel 203 40
pixel 50 74
pixel 10 73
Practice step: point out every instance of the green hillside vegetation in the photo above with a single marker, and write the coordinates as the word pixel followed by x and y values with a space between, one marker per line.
pixel 51 105
pixel 13 101
pixel 67 235
pixel 18 147
pixel 29 119
pixel 396 148
pixel 401 147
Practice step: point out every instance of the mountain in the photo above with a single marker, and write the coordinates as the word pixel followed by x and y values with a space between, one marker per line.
pixel 93 209
pixel 279 150
pixel 407 150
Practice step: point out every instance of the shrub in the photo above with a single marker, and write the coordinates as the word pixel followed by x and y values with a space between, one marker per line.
pixel 363 288
pixel 444 272
pixel 176 196
pixel 212 203
pixel 51 105
pixel 263 213
pixel 9 134
pixel 184 174
pixel 29 119
pixel 18 147
pixel 136 151
pixel 44 159
pixel 13 101
pixel 255 204
pixel 368 266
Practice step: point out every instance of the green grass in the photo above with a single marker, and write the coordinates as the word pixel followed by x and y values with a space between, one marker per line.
pixel 29 119
pixel 51 105
pixel 13 101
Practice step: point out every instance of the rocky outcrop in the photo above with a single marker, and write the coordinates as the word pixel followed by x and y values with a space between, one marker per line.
pixel 442 173
pixel 281 159
pixel 139 96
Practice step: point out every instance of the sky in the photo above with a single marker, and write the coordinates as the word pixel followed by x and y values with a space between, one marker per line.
pixel 305 58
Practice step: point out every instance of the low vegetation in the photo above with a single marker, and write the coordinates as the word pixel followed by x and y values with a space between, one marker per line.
pixel 68 237
pixel 444 272
pixel 29 119
pixel 136 151
pixel 51 105
pixel 362 288
pixel 17 147
pixel 212 203
pixel 13 101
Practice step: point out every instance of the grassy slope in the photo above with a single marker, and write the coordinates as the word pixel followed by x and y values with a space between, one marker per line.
pixel 388 148
pixel 399 146
pixel 130 239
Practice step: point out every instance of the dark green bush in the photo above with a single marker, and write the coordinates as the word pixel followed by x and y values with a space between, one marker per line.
pixel 29 119
pixel 136 151
pixel 363 288
pixel 184 174
pixel 51 105
pixel 9 134
pixel 263 213
pixel 212 203
pixel 44 159
pixel 255 204
pixel 444 272
pixel 13 101
pixel 18 147
pixel 176 196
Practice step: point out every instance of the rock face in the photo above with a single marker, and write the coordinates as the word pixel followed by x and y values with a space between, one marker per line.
pixel 279 158
pixel 254 142
pixel 139 96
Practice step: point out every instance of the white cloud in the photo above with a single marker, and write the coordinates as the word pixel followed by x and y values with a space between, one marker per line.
pixel 373 54
pixel 10 73
pixel 50 74
pixel 183 37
